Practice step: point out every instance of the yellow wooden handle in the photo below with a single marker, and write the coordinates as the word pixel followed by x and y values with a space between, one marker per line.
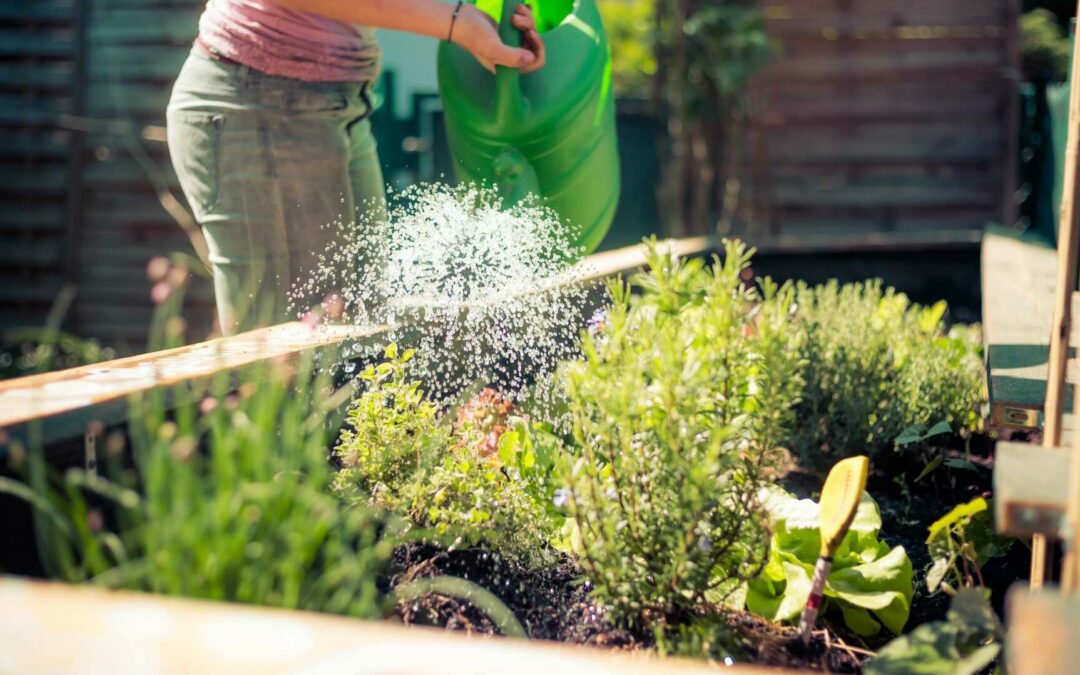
pixel 840 499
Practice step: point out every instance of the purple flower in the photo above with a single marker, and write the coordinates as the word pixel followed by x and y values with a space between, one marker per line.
pixel 597 322
pixel 561 498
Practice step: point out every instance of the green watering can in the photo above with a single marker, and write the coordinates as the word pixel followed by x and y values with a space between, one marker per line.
pixel 550 132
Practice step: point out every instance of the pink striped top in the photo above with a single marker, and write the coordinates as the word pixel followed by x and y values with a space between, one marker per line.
pixel 279 41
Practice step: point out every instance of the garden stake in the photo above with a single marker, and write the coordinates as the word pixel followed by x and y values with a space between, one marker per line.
pixel 1068 254
pixel 840 499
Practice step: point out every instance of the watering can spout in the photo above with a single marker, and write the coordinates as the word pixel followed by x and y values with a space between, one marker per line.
pixel 509 101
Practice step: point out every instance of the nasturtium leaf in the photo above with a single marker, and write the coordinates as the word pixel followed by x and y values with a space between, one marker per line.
pixel 966 643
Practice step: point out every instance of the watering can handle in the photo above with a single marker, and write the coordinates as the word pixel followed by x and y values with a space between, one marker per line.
pixel 509 103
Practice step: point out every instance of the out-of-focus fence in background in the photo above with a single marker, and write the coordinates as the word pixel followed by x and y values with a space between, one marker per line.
pixel 893 117
pixel 875 119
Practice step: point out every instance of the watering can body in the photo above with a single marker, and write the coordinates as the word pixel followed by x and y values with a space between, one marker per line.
pixel 550 132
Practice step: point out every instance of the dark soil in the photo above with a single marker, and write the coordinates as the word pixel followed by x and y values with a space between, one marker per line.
pixel 551 604
pixel 554 604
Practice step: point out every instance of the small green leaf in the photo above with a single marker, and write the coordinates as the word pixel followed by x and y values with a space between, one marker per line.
pixel 910 435
pixel 954 463
pixel 938 429
pixel 929 468
pixel 955 516
pixel 859 620
pixel 508 446
pixel 937 573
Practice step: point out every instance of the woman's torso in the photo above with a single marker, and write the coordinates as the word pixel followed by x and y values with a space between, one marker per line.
pixel 285 42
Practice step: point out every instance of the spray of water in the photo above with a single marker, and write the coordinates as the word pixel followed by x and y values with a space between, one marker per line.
pixel 487 295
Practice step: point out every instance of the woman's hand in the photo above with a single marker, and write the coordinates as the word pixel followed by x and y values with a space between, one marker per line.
pixel 478 33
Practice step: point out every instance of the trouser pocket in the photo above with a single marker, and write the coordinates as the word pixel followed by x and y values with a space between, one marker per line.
pixel 195 148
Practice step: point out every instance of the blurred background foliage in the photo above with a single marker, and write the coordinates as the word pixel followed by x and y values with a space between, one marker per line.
pixel 630 29
pixel 1045 46
pixel 693 59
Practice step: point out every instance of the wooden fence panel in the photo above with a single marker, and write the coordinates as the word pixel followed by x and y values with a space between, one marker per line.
pixel 38 48
pixel 83 89
pixel 135 50
pixel 886 116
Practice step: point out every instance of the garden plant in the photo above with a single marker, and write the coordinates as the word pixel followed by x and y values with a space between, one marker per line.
pixel 651 472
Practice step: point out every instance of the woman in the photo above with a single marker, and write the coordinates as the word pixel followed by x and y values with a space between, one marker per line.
pixel 269 133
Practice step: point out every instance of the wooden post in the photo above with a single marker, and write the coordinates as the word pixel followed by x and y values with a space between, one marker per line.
pixel 1068 244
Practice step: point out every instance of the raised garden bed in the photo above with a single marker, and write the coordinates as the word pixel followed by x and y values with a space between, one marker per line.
pixel 535 515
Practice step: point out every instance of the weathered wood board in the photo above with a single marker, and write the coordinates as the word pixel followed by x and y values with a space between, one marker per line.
pixel 1018 296
pixel 886 116
pixel 43 396
pixel 1043 632
pixel 1031 489
pixel 79 629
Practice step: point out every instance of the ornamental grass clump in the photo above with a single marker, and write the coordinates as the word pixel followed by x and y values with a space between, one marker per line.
pixel 678 405
pixel 479 481
pixel 877 364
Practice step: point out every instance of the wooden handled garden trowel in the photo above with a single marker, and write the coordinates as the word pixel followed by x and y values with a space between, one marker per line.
pixel 840 499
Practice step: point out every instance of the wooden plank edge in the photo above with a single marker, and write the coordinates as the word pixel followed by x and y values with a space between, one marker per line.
pixel 93 392
pixel 1030 489
pixel 135 632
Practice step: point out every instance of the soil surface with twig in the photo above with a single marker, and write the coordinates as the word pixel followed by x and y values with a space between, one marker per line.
pixel 554 603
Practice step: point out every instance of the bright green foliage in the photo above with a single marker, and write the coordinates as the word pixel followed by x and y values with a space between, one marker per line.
pixel 401 456
pixel 677 406
pixel 870 584
pixel 876 364
pixel 709 636
pixel 392 430
pixel 965 643
pixel 960 543
pixel 1044 46
pixel 629 25
pixel 229 500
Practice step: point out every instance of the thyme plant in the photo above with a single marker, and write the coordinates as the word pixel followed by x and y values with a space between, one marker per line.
pixel 480 481
pixel 876 364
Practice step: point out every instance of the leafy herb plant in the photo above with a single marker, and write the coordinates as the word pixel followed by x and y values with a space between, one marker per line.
pixel 225 495
pixel 678 405
pixel 482 480
pixel 961 542
pixel 967 641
